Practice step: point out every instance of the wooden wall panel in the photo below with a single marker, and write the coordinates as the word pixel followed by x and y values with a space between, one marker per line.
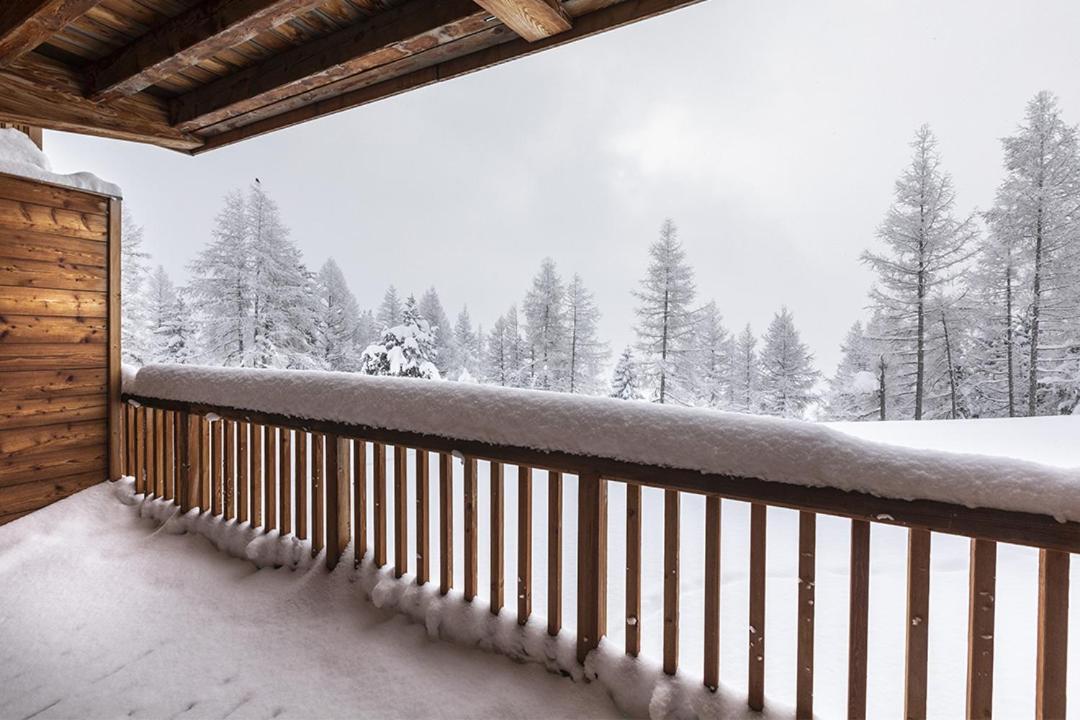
pixel 59 342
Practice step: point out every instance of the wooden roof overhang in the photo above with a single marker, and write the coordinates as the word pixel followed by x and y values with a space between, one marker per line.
pixel 194 75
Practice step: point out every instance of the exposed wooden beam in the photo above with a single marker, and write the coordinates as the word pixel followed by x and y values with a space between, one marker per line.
pixel 187 40
pixel 40 92
pixel 25 24
pixel 505 47
pixel 388 36
pixel 531 19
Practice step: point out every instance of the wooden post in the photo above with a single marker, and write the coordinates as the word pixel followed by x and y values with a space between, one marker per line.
pixel 204 463
pixel 243 490
pixel 159 453
pixel 712 593
pixel 918 624
pixel 256 449
pixel 115 406
pixel 671 581
pixel 423 520
pixel 592 563
pixel 190 461
pixel 360 500
pixel 140 450
pixel 555 504
pixel 270 458
pixel 401 510
pixel 1051 679
pixel 129 441
pixel 217 466
pixel 318 535
pixel 471 547
pixel 497 537
pixel 285 482
pixel 337 499
pixel 230 469
pixel 756 659
pixel 169 441
pixel 859 615
pixel 804 677
pixel 302 484
pixel 524 548
pixel 446 522
pixel 633 569
pixel 379 491
pixel 980 660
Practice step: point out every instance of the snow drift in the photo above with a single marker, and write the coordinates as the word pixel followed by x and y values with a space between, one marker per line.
pixel 706 441
pixel 21 157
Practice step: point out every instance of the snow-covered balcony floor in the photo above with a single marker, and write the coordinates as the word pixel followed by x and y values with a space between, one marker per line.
pixel 104 615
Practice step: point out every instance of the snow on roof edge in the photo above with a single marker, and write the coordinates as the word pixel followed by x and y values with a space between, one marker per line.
pixel 707 441
pixel 20 157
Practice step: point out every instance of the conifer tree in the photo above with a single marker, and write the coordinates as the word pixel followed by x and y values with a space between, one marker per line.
pixel 585 351
pixel 711 369
pixel 746 372
pixel 787 369
pixel 390 310
pixel 625 384
pixel 545 329
pixel 431 309
pixel 404 350
pixel 467 344
pixel 339 343
pixel 134 327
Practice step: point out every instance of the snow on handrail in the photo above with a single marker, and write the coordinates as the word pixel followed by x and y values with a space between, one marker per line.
pixel 702 440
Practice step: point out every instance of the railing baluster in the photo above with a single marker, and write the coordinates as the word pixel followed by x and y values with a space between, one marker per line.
pixel 380 503
pixel 470 528
pixel 918 617
pixel 497 537
pixel 712 592
pixel 337 499
pixel 216 467
pixel 140 450
pixel 1051 685
pixel 524 545
pixel 318 536
pixel 671 581
pixel 555 503
pixel 423 520
pixel 204 463
pixel 230 469
pixel 256 475
pixel 170 455
pixel 858 619
pixel 804 677
pixel 285 482
pixel 192 460
pixel 401 510
pixel 270 455
pixel 302 494
pixel 633 569
pixel 446 522
pixel 159 453
pixel 980 660
pixel 129 440
pixel 756 659
pixel 592 563
pixel 151 476
pixel 359 500
pixel 243 463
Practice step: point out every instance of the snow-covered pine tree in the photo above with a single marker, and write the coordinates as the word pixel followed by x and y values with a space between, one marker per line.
pixel 625 384
pixel 545 329
pixel 390 310
pixel 711 369
pixel 431 309
pixel 467 342
pixel 746 373
pixel 171 335
pixel 1041 193
pixel 854 391
pixel 925 249
pixel 665 317
pixel 339 338
pixel 503 359
pixel 787 369
pixel 135 335
pixel 221 287
pixel 404 350
pixel 585 352
pixel 366 331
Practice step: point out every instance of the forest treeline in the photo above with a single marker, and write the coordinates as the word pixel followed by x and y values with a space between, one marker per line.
pixel 972 314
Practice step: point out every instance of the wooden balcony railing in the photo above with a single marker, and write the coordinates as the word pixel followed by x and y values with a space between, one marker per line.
pixel 309 477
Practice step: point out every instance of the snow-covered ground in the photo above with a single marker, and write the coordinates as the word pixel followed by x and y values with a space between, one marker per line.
pixel 88 590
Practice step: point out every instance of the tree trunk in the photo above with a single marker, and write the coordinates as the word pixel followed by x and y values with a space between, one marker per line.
pixel 952 369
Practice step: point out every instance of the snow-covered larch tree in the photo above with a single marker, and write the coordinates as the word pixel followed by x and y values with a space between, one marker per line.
pixel 625 384
pixel 171 334
pixel 339 338
pixel 925 247
pixel 468 342
pixel 711 369
pixel 431 309
pixel 135 325
pixel 545 329
pixel 584 350
pixel 504 354
pixel 853 392
pixel 390 310
pixel 745 373
pixel 404 350
pixel 787 369
pixel 665 316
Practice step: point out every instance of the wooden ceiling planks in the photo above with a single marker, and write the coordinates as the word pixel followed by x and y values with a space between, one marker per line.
pixel 193 75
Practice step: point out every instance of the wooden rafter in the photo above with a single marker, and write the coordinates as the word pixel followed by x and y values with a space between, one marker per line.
pixel 25 24
pixel 186 40
pixel 384 38
pixel 531 19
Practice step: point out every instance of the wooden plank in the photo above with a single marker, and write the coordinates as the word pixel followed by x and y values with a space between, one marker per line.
pixel 17 215
pixel 633 569
pixel 285 482
pixel 379 490
pixel 21 441
pixel 270 501
pixel 471 540
pixel 53 356
pixel 497 538
pixel 711 654
pixel 184 449
pixel 382 38
pixel 54 464
pixel 423 516
pixel 52 303
pixel 256 450
pixel 195 36
pixel 359 500
pixel 555 508
pixel 230 469
pixel 401 511
pixel 37 493
pixel 804 676
pixel 592 567
pixel 204 464
pixel 980 660
pixel 31 329
pixel 859 616
pixel 26 24
pixel 1017 528
pixel 337 499
pixel 243 489
pixel 217 468
pixel 756 659
pixel 671 581
pixel 1052 653
pixel 53 250
pixel 159 453
pixel 918 624
pixel 530 19
pixel 524 544
pixel 318 516
pixel 302 510
pixel 446 523
pixel 55 276
pixel 140 448
pixel 51 411
pixel 62 198
pixel 129 440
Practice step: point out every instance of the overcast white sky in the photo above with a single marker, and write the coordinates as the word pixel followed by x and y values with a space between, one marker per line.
pixel 770 131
